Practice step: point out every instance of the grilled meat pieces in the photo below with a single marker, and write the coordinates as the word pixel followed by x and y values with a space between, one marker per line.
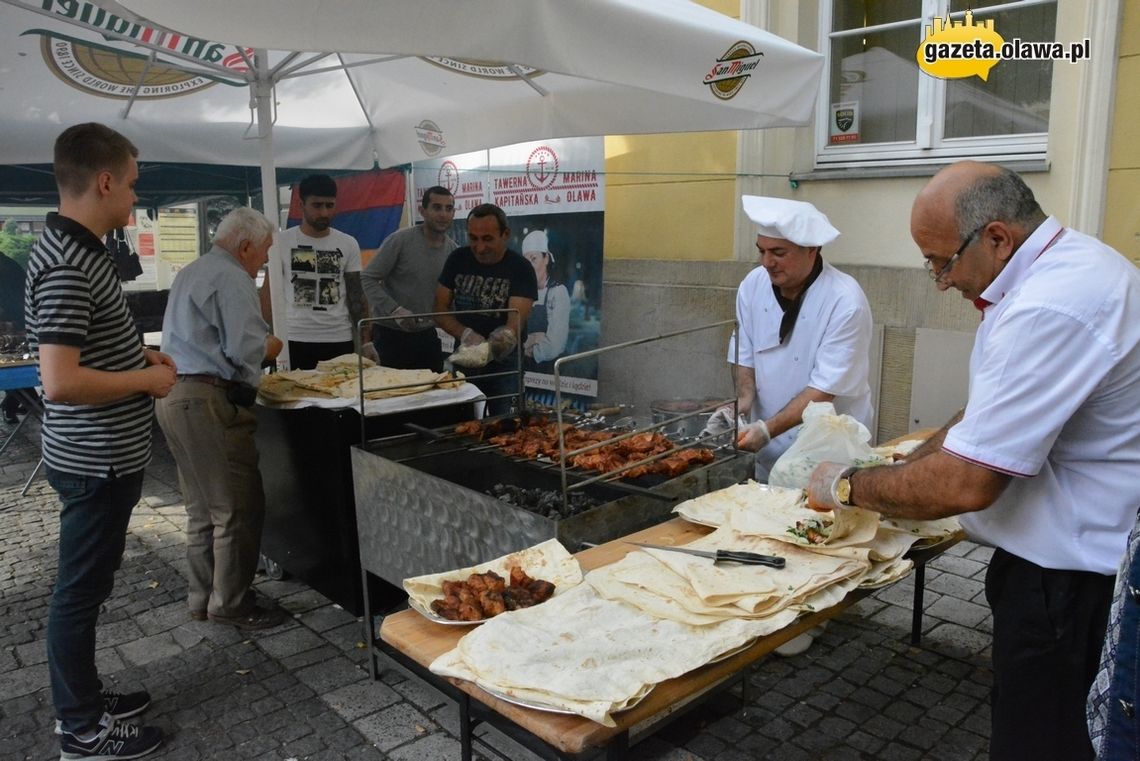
pixel 485 595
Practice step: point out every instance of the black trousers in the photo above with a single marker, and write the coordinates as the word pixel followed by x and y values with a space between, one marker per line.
pixel 408 351
pixel 1049 628
pixel 304 355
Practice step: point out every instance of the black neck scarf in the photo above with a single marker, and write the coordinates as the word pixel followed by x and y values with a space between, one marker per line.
pixel 791 307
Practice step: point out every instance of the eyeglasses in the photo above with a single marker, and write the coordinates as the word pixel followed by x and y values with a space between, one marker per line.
pixel 937 276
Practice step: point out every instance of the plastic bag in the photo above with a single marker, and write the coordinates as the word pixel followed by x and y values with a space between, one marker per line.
pixel 825 437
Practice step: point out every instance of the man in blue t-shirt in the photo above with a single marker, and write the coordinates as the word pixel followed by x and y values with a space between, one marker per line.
pixel 486 275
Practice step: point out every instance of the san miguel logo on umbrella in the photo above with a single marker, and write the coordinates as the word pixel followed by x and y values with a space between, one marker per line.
pixel 732 70
pixel 430 137
pixel 108 71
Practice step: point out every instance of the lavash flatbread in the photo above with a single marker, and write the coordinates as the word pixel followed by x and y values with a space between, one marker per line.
pixel 580 649
pixel 941 528
pixel 693 590
pixel 716 507
pixel 776 519
pixel 280 388
pixel 771 511
pixel 548 561
pixel 348 361
pixel 386 382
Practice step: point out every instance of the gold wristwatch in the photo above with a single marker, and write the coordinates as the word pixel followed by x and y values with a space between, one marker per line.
pixel 843 488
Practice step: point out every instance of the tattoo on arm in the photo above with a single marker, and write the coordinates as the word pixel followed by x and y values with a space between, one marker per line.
pixel 357 305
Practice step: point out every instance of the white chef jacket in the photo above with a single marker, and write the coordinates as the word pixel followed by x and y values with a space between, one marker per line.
pixel 1055 401
pixel 829 349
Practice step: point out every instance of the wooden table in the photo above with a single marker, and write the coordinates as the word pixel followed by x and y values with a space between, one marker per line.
pixel 415 642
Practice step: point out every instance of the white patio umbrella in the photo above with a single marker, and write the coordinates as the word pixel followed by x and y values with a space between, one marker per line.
pixel 349 83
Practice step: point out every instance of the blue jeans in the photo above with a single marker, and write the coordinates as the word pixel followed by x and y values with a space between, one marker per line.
pixel 1122 733
pixel 92 537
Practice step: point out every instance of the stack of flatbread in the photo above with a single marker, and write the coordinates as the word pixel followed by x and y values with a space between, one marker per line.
pixel 696 591
pixel 340 378
pixel 782 514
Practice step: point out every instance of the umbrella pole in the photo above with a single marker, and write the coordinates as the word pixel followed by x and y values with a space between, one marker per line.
pixel 263 99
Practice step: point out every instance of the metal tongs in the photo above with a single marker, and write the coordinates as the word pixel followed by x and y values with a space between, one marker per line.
pixel 723 556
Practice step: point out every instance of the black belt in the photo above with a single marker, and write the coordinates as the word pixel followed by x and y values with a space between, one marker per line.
pixel 211 380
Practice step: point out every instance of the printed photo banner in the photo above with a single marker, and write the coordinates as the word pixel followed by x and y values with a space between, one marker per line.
pixel 553 192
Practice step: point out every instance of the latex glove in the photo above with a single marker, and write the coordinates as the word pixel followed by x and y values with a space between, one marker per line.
pixel 753 437
pixel 404 320
pixel 719 422
pixel 821 490
pixel 470 338
pixel 503 340
pixel 368 351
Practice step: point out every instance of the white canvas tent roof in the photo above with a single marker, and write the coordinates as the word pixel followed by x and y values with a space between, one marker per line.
pixel 358 82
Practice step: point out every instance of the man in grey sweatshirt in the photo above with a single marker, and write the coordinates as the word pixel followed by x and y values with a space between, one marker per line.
pixel 400 281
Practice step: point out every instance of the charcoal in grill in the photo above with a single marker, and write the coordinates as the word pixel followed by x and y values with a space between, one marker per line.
pixel 545 502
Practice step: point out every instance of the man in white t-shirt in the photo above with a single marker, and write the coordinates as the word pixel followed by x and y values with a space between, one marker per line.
pixel 320 270
pixel 1042 462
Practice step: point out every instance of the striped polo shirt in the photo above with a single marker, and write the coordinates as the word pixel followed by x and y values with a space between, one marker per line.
pixel 74 298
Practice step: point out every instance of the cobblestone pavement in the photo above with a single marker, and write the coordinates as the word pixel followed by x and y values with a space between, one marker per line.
pixel 301 691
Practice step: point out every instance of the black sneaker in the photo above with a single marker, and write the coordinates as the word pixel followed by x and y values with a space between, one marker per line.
pixel 118 740
pixel 119 705
pixel 124 705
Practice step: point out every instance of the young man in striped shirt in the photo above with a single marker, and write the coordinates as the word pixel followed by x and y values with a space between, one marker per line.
pixel 99 385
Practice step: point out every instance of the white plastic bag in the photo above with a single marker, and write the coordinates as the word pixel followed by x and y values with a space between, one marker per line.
pixel 825 437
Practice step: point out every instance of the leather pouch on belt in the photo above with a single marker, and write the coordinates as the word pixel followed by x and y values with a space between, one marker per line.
pixel 241 394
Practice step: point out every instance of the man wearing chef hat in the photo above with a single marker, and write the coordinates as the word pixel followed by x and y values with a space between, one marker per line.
pixel 804 331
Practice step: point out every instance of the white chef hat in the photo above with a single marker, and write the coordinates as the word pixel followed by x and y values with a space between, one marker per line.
pixel 797 221
pixel 536 240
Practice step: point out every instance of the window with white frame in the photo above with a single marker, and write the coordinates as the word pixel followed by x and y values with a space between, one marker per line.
pixel 877 108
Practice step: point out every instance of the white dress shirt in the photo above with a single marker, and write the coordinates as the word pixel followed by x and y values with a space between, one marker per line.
pixel 1055 402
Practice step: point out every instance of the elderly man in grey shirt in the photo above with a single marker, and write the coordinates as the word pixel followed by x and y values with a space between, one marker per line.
pixel 400 281
pixel 213 325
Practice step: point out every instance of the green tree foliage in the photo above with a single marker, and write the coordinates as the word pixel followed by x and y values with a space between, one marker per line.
pixel 17 245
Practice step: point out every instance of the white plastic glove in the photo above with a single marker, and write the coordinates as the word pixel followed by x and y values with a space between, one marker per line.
pixel 368 351
pixel 822 492
pixel 753 437
pixel 503 340
pixel 719 422
pixel 404 320
pixel 470 338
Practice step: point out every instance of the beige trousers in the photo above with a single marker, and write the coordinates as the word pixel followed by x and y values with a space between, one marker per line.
pixel 212 441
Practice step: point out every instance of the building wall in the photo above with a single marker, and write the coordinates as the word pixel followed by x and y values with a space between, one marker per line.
pixel 1122 203
pixel 677 244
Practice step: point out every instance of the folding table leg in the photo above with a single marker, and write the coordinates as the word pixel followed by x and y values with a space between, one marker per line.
pixel 916 610
pixel 369 628
pixel 15 430
pixel 465 727
pixel 618 747
pixel 28 483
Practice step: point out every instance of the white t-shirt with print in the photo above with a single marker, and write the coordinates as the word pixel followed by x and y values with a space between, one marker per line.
pixel 312 270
